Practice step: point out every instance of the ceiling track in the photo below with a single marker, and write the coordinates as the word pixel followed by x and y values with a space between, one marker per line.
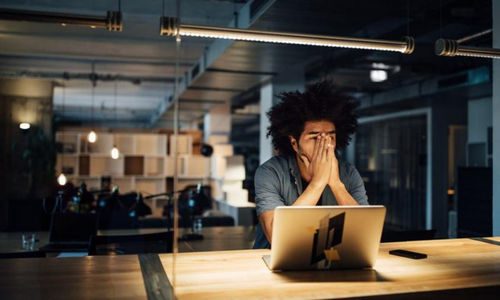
pixel 84 76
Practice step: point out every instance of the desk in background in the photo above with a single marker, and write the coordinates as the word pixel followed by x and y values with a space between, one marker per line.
pixel 215 238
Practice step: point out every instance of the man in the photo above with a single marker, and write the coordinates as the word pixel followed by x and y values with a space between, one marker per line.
pixel 306 129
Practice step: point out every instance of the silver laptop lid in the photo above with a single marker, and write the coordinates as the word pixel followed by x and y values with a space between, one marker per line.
pixel 326 237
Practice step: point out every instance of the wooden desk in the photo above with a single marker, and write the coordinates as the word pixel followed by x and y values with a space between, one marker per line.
pixel 461 268
pixel 92 277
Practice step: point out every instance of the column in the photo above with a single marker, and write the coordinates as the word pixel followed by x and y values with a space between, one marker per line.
pixel 496 121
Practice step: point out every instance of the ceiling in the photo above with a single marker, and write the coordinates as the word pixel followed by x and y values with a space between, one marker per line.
pixel 217 72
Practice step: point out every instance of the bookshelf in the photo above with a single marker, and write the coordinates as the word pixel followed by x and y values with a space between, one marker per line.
pixel 143 165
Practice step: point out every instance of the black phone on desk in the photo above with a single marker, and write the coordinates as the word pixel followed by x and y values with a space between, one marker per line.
pixel 408 254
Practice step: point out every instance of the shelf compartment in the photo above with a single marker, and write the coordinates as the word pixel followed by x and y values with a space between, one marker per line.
pixel 105 165
pixel 67 164
pixel 154 166
pixel 134 165
pixel 150 144
pixel 196 166
pixel 169 166
pixel 84 165
pixel 103 145
pixel 69 142
pixel 125 143
pixel 185 144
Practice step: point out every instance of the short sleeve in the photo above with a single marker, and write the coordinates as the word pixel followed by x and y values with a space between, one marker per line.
pixel 357 187
pixel 267 190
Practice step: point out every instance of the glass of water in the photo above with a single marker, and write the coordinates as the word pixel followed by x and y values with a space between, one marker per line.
pixel 28 241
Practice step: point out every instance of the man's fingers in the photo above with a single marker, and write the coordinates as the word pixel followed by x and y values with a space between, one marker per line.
pixel 316 149
pixel 331 150
pixel 321 153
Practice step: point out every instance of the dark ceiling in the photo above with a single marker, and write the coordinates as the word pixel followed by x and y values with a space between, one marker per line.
pixel 238 70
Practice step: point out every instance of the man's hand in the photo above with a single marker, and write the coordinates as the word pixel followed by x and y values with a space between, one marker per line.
pixel 338 188
pixel 334 174
pixel 320 165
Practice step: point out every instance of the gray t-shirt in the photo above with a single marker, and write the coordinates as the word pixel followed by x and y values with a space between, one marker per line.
pixel 278 183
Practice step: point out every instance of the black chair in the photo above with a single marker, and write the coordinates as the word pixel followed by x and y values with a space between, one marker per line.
pixel 161 242
pixel 28 254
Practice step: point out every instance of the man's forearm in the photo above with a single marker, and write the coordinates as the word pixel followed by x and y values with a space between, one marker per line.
pixel 341 194
pixel 311 195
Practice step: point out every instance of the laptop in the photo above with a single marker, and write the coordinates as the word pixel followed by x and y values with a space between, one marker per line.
pixel 71 232
pixel 325 237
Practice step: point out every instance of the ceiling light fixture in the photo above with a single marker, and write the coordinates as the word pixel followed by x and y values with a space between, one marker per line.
pixel 378 75
pixel 24 126
pixel 112 21
pixel 170 27
pixel 445 47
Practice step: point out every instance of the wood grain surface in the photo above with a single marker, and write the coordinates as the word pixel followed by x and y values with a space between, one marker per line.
pixel 454 268
pixel 458 269
pixel 93 277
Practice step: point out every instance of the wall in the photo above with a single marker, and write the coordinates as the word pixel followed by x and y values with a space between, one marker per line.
pixel 479 119
pixel 446 110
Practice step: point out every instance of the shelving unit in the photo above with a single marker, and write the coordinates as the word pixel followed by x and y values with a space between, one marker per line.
pixel 143 165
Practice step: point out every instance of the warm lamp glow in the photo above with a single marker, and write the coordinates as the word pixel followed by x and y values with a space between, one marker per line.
pixel 24 126
pixel 62 179
pixel 92 137
pixel 170 26
pixel 115 153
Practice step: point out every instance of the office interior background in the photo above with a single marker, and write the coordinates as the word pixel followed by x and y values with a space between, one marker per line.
pixel 429 131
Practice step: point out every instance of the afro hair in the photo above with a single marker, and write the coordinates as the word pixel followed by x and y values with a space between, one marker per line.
pixel 320 102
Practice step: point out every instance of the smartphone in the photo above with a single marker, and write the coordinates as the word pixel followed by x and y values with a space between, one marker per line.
pixel 408 254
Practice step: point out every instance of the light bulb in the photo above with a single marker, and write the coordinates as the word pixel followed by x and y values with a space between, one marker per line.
pixel 378 75
pixel 62 179
pixel 24 126
pixel 92 137
pixel 115 153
